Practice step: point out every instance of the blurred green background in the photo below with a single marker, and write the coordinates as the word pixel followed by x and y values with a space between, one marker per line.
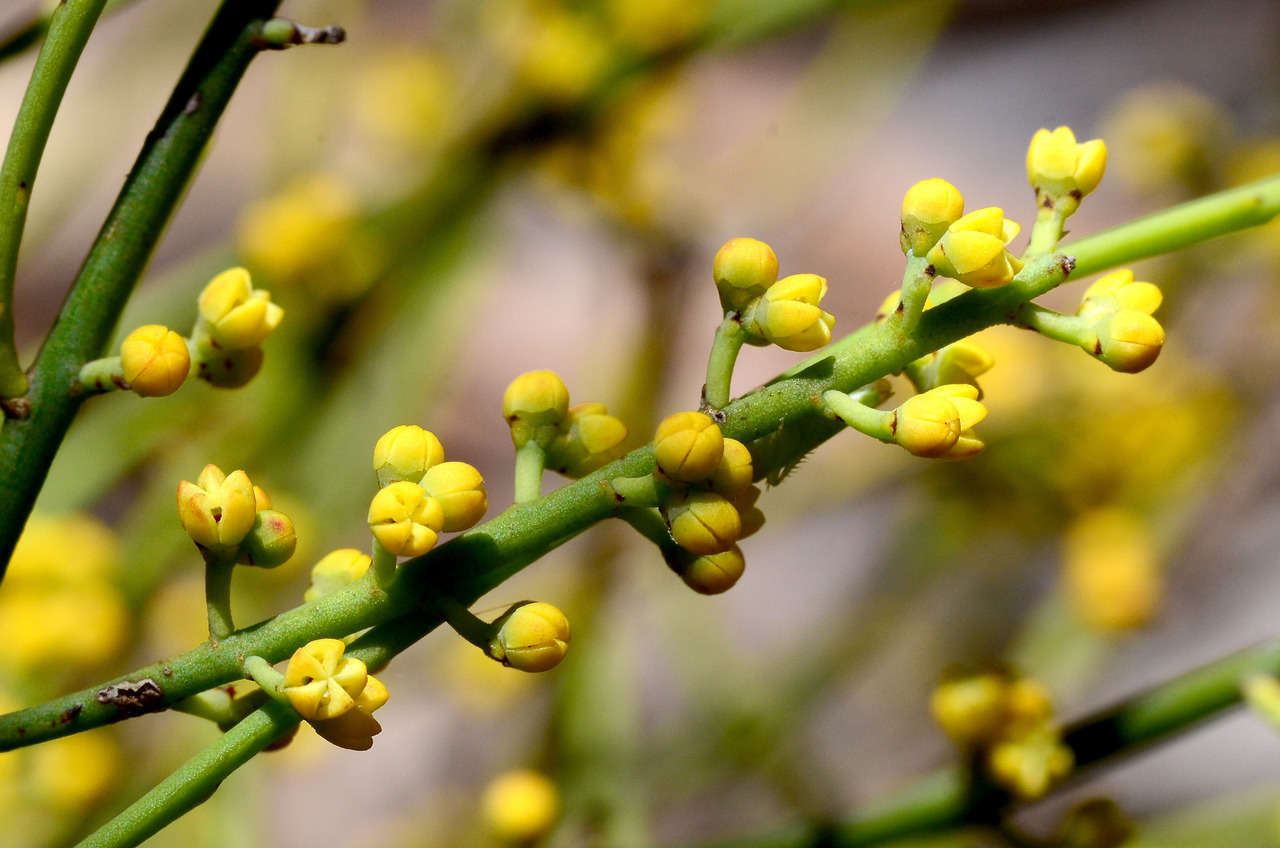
pixel 468 190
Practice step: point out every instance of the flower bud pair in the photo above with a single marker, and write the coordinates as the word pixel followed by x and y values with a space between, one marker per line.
pixel 227 514
pixel 972 250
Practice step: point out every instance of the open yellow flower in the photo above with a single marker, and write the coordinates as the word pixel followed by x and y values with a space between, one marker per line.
pixel 973 249
pixel 405 520
pixel 218 510
pixel 238 315
pixel 320 682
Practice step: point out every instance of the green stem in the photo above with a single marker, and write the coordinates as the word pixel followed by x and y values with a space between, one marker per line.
pixel 875 423
pixel 466 624
pixel 69 26
pixel 642 491
pixel 120 253
pixel 384 565
pixel 531 459
pixel 217 596
pixel 22 36
pixel 195 780
pixel 212 705
pixel 917 280
pixel 649 524
pixel 1047 231
pixel 102 375
pixel 264 674
pixel 1054 325
pixel 725 346
pixel 479 560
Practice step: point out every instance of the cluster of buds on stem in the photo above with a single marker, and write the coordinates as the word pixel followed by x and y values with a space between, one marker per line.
pixel 574 441
pixel 783 312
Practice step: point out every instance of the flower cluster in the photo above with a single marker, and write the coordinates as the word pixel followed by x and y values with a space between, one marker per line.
pixel 1010 723
pixel 575 441
pixel 335 693
pixel 421 495
pixel 1120 330
pixel 782 312
pixel 231 519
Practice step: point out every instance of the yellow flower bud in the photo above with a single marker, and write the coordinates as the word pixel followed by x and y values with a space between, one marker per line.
pixel 534 404
pixel 788 314
pixel 238 315
pixel 704 522
pixel 520 806
pixel 688 446
pixel 271 540
pixel 971 710
pixel 748 513
pixel 1064 170
pixel 589 438
pixel 155 360
pixel 320 682
pixel 973 252
pixel 734 473
pixel 1118 290
pixel 460 490
pixel 744 268
pixel 230 369
pixel 715 573
pixel 355 728
pixel 336 570
pixel 932 424
pixel 1126 340
pixel 928 208
pixel 404 519
pixel 406 452
pixel 1029 766
pixel 218 510
pixel 532 636
pixel 1111 570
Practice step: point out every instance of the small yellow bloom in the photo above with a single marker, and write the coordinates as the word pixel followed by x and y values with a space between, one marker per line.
pixel 355 728
pixel 1111 570
pixel 271 540
pixel 744 268
pixel 971 710
pixel 239 316
pixel 520 806
pixel 155 360
pixel 1064 170
pixel 320 682
pixel 940 421
pixel 404 519
pixel 534 404
pixel 688 446
pixel 1029 766
pixel 589 438
pixel 460 490
pixel 406 452
pixel 788 314
pixel 704 523
pixel 1126 340
pixel 218 510
pixel 734 473
pixel 928 208
pixel 336 570
pixel 715 573
pixel 532 636
pixel 973 252
pixel 1118 290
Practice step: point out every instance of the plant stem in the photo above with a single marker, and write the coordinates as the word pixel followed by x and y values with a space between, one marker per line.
pixel 69 26
pixel 728 341
pixel 1047 231
pixel 24 35
pixel 917 280
pixel 102 375
pixel 119 255
pixel 262 673
pixel 465 623
pixel 875 423
pixel 530 461
pixel 642 491
pixel 649 524
pixel 217 596
pixel 1053 325
pixel 195 780
pixel 384 564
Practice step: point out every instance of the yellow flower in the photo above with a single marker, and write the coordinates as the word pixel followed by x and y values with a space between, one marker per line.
pixel 688 446
pixel 928 208
pixel 404 519
pixel 271 540
pixel 1126 340
pixel 355 728
pixel 532 636
pixel 218 510
pixel 734 473
pixel 1111 570
pixel 534 404
pixel 788 314
pixel 971 710
pixel 589 438
pixel 520 806
pixel 155 360
pixel 336 570
pixel 406 453
pixel 1115 291
pixel 744 268
pixel 940 421
pixel 320 682
pixel 703 522
pixel 238 315
pixel 1028 705
pixel 1062 169
pixel 715 573
pixel 1029 766
pixel 973 252
pixel 459 488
